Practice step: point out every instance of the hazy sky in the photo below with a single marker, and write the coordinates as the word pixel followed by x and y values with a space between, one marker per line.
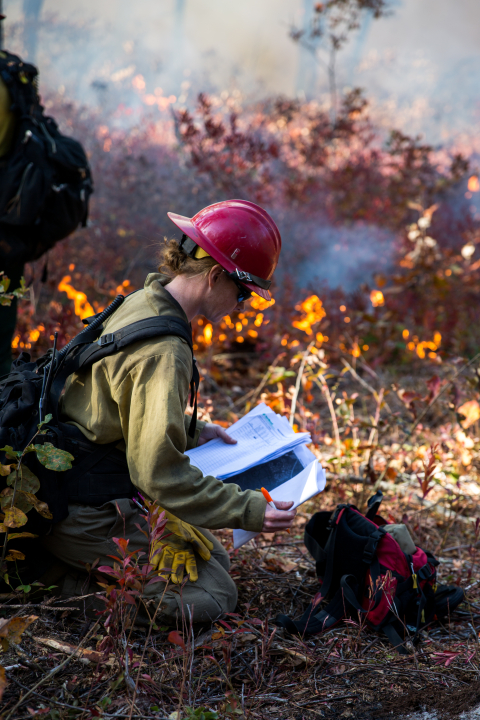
pixel 421 66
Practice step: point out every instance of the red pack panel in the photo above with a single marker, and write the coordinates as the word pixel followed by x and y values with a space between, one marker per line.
pixel 388 585
pixel 392 557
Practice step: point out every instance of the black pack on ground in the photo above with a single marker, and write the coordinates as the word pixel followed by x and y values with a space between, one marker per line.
pixel 371 571
pixel 32 390
pixel 45 178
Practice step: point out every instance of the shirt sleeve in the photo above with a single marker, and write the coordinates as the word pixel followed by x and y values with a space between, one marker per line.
pixel 150 400
pixel 193 442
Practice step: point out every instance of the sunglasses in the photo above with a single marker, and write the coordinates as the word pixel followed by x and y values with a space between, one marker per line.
pixel 243 292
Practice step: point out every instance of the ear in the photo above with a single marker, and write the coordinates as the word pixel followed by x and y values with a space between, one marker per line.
pixel 214 276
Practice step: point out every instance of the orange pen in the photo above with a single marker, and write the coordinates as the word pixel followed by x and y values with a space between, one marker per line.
pixel 269 500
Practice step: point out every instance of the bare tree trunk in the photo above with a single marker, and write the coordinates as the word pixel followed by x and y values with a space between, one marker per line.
pixel 179 43
pixel 307 67
pixel 31 15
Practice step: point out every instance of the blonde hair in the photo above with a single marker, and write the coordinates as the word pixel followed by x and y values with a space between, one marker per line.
pixel 173 261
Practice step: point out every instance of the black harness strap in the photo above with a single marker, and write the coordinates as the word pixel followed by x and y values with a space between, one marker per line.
pixel 88 462
pixel 395 639
pixel 110 343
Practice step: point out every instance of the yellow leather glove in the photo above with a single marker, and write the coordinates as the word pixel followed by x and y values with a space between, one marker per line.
pixel 176 550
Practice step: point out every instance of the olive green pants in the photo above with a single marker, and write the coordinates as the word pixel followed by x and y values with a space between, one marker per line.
pixel 87 535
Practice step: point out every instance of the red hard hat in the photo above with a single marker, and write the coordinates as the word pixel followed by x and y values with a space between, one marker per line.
pixel 239 235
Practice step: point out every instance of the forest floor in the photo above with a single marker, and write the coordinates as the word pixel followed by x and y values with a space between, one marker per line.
pixel 245 667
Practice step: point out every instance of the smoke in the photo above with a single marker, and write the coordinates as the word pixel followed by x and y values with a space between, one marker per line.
pixel 319 253
pixel 420 65
pixel 134 61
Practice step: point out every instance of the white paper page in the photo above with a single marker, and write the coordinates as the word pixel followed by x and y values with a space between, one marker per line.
pixel 302 487
pixel 305 455
pixel 260 438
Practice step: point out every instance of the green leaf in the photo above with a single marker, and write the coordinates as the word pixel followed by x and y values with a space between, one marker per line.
pixel 53 458
pixel 11 453
pixel 4 283
pixel 22 290
pixel 28 481
pixel 44 422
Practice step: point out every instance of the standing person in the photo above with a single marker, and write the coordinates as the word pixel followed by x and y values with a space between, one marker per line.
pixel 45 183
pixel 12 267
pixel 138 397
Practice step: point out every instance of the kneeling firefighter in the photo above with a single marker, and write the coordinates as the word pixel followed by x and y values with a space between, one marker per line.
pixel 134 400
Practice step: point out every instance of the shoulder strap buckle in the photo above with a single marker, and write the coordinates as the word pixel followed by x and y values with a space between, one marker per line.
pixel 106 339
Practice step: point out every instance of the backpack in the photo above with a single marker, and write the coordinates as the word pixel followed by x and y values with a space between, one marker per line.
pixel 32 390
pixel 45 179
pixel 366 575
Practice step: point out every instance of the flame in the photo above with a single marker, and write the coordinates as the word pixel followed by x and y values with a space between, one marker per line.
pixel 120 289
pixel 207 334
pixel 313 311
pixel 473 183
pixel 258 303
pixel 32 337
pixel 356 350
pixel 376 298
pixel 83 308
pixel 421 347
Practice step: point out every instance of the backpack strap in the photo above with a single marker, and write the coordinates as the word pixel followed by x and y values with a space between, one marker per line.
pixel 395 638
pixel 111 343
pixel 374 505
pixel 313 623
pixel 21 79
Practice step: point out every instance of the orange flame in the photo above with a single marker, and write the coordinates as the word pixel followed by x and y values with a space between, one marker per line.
pixel 207 334
pixel 32 337
pixel 83 308
pixel 421 347
pixel 473 183
pixel 376 298
pixel 258 303
pixel 313 311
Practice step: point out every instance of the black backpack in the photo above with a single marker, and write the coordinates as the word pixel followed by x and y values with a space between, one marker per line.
pixel 32 390
pixel 45 179
pixel 366 575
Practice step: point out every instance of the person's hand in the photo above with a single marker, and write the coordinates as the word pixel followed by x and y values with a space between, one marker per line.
pixel 212 431
pixel 279 518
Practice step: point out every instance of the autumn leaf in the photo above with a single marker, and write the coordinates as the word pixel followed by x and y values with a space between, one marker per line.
pixel 21 502
pixel 40 507
pixel 391 473
pixel 53 458
pixel 11 629
pixel 14 517
pixel 175 638
pixel 471 412
pixel 28 481
pixel 13 555
pixel 5 470
pixel 12 536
